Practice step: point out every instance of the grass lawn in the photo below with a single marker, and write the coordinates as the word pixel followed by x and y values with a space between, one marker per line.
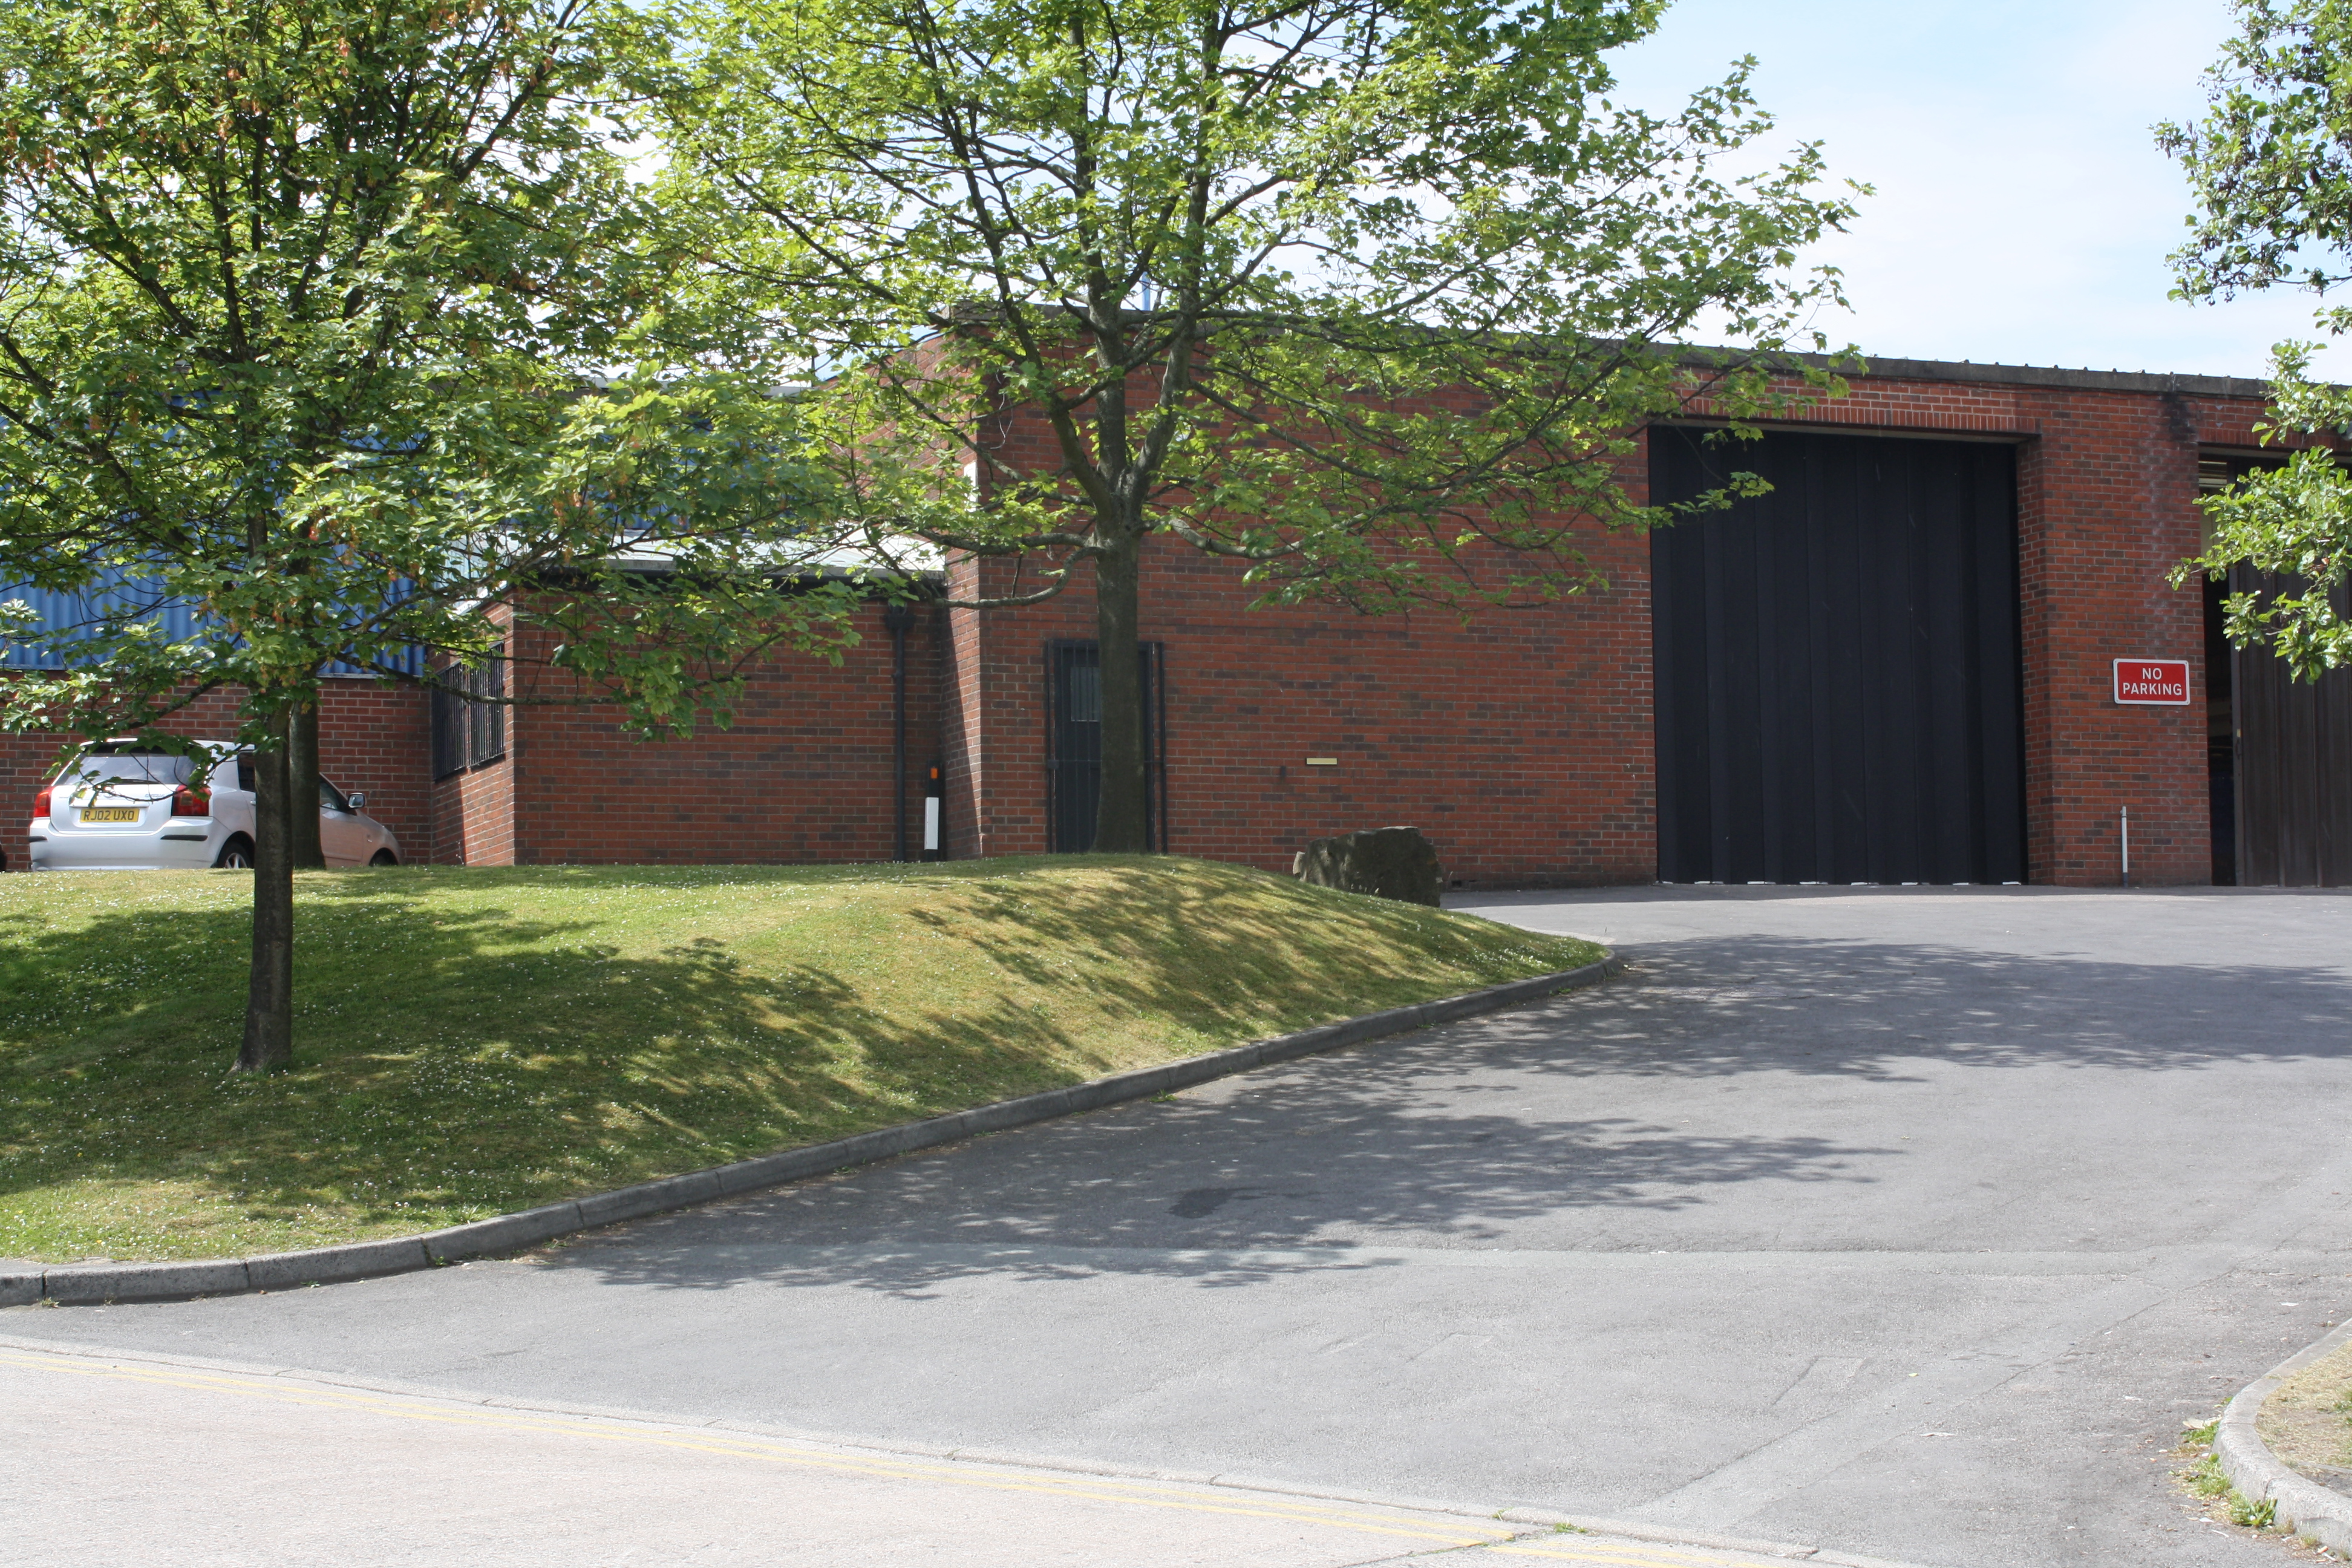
pixel 469 1042
pixel 2308 1419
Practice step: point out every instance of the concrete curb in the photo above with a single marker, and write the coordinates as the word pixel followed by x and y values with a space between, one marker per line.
pixel 1813 1555
pixel 95 1284
pixel 2317 1513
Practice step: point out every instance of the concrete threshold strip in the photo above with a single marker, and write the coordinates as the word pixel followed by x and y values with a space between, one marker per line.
pixel 2319 1514
pixel 1541 1532
pixel 98 1284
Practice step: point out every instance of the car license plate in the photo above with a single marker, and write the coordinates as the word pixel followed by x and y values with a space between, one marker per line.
pixel 110 814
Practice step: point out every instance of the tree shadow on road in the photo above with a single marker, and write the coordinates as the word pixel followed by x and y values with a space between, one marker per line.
pixel 1428 1136
pixel 1746 1005
pixel 1437 1137
pixel 1305 1156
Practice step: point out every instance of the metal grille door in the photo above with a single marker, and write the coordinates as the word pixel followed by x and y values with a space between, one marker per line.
pixel 1074 745
pixel 1837 663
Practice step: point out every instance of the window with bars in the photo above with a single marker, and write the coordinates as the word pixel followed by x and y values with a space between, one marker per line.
pixel 470 722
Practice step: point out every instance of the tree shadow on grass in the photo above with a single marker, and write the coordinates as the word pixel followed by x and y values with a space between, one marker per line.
pixel 455 1062
pixel 1239 951
pixel 455 1059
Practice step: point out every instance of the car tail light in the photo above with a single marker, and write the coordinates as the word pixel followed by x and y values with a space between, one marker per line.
pixel 41 802
pixel 186 802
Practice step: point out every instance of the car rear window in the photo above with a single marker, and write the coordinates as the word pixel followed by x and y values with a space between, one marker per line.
pixel 136 767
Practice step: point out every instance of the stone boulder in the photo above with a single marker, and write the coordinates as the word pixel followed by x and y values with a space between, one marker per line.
pixel 1387 862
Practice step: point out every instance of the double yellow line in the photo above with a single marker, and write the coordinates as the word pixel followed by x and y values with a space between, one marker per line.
pixel 1233 1502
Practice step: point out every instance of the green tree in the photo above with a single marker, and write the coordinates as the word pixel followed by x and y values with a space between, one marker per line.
pixel 2271 166
pixel 1367 295
pixel 303 308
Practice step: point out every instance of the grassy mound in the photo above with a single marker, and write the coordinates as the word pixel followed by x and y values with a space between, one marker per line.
pixel 469 1042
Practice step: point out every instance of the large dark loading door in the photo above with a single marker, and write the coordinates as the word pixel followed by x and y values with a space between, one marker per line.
pixel 2290 781
pixel 2279 750
pixel 1838 697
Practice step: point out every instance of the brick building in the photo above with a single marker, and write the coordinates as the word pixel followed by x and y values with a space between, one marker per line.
pixel 1899 667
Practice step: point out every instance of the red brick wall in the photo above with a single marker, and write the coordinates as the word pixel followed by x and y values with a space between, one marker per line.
pixel 373 736
pixel 2114 480
pixel 995 723
pixel 1522 745
pixel 24 767
pixel 804 774
pixel 962 738
pixel 473 814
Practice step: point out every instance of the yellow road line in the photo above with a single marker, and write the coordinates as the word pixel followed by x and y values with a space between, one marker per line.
pixel 1094 1488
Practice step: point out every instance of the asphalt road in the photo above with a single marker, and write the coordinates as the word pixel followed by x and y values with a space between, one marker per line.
pixel 1909 1223
pixel 162 1464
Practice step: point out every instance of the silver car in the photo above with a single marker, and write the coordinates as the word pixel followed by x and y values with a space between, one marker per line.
pixel 120 807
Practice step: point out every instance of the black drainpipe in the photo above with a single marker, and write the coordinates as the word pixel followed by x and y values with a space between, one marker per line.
pixel 895 619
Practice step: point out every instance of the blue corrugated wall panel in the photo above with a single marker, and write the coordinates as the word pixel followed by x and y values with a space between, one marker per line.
pixel 61 611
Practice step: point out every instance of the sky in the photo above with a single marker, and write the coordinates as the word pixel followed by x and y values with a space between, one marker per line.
pixel 2022 212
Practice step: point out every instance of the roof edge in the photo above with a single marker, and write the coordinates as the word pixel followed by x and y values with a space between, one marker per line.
pixel 2049 376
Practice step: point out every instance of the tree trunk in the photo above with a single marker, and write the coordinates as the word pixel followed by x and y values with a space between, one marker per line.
pixel 1122 812
pixel 269 995
pixel 302 785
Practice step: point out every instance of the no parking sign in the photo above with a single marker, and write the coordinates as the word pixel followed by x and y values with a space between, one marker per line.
pixel 2162 682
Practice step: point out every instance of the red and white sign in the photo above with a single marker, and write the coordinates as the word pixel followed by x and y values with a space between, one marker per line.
pixel 2161 681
